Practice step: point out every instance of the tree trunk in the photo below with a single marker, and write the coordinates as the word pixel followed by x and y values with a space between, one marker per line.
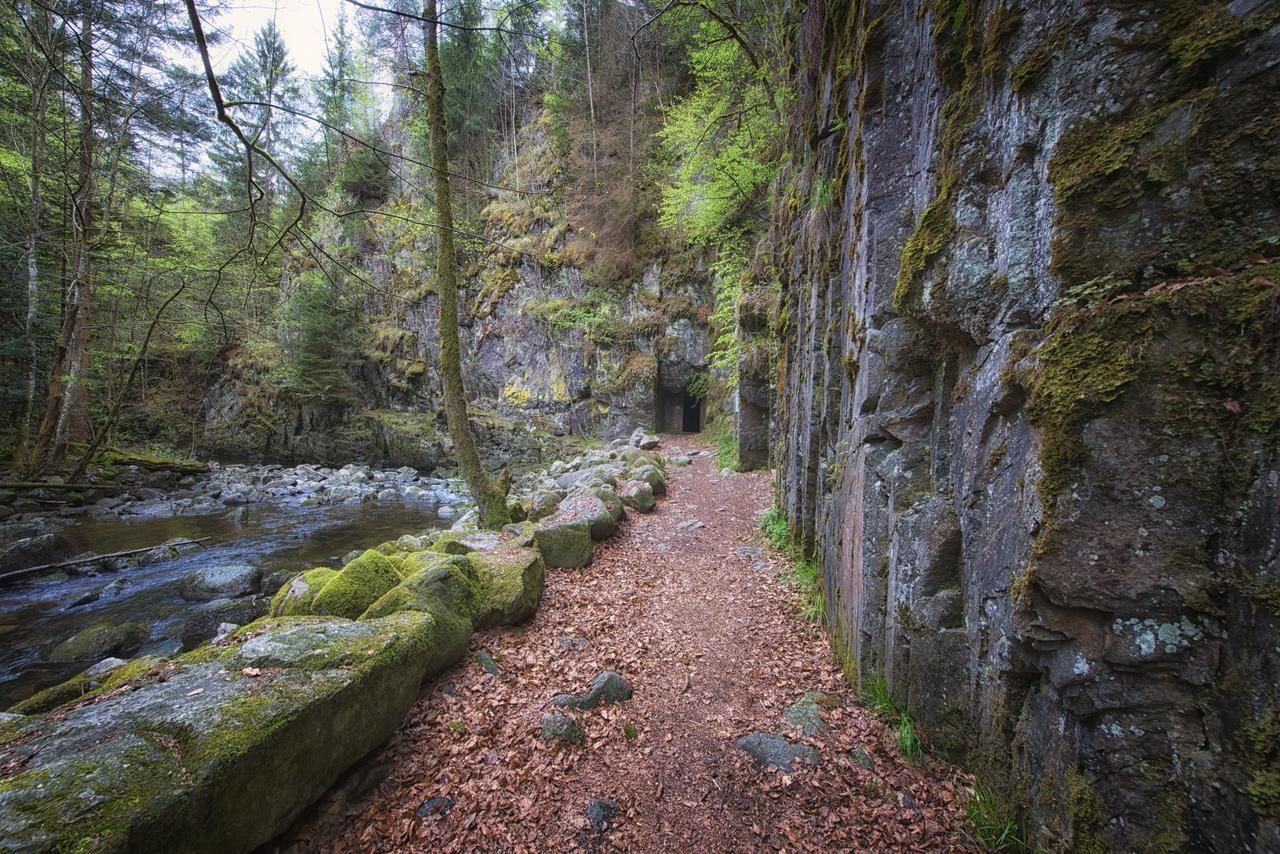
pixel 65 405
pixel 491 496
pixel 591 97
pixel 40 73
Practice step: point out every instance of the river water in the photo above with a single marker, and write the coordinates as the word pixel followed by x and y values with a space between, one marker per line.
pixel 36 614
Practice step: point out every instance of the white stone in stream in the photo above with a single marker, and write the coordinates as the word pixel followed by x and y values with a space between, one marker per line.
pixel 388 495
pixel 446 512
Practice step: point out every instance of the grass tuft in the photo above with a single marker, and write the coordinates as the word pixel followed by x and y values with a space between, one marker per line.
pixel 995 828
pixel 908 739
pixel 804 574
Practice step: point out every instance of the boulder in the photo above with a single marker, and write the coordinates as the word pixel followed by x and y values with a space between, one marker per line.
pixel 439 584
pixel 806 713
pixel 638 495
pixel 34 551
pixel 204 623
pixel 653 476
pixel 770 750
pixel 593 510
pixel 609 687
pixel 213 757
pixel 219 582
pixel 562 728
pixel 465 542
pixel 510 585
pixel 564 544
pixel 295 598
pixel 100 641
pixel 360 583
pixel 544 503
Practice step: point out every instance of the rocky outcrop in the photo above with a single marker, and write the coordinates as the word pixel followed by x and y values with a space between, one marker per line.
pixel 548 347
pixel 1028 413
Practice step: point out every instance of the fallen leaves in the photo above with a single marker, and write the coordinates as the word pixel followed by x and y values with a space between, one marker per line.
pixel 655 600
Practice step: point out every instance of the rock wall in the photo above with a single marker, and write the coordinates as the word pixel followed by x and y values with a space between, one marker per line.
pixel 545 343
pixel 1028 399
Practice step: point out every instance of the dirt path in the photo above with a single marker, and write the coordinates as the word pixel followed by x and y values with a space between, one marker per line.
pixel 697 620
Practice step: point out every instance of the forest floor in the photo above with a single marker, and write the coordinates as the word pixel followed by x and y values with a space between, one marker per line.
pixel 700 623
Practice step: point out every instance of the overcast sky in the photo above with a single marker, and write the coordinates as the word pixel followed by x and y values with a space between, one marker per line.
pixel 303 23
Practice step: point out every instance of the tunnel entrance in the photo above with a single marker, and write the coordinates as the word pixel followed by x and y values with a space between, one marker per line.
pixel 677 411
pixel 692 412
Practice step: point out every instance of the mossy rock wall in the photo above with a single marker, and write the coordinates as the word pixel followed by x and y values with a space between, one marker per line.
pixel 1026 417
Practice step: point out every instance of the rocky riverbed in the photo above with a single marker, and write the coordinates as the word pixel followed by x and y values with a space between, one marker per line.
pixel 256 527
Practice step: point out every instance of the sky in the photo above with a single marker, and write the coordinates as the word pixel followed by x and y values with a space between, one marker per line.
pixel 302 23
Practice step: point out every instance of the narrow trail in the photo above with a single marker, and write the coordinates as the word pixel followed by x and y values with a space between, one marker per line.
pixel 698 621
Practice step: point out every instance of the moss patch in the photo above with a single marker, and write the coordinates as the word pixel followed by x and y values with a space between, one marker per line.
pixel 356 587
pixel 1092 354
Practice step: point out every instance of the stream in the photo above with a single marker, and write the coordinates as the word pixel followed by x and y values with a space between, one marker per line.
pixel 37 614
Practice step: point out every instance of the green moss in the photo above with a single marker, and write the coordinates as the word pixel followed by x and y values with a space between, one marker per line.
pixel 83 687
pixel 1090 356
pixel 1084 815
pixel 510 584
pixel 356 587
pixel 1198 31
pixel 1028 70
pixel 294 598
pixel 1099 159
pixel 1258 747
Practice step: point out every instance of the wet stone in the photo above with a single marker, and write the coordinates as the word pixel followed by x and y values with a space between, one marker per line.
pixel 435 807
pixel 608 687
pixel 771 750
pixel 562 728
pixel 486 663
pixel 601 813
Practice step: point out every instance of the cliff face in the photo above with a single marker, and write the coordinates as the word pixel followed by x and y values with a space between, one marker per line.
pixel 545 345
pixel 1027 408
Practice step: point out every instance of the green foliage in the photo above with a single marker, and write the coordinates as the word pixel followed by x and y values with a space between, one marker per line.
pixel 804 575
pixel 364 176
pixel 726 442
pixel 722 140
pixel 875 692
pixel 319 323
pixel 995 826
pixel 908 740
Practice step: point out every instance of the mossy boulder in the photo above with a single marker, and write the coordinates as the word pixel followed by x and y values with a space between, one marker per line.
pixel 565 543
pixel 210 758
pixel 446 586
pixel 465 542
pixel 356 587
pixel 101 640
pixel 638 495
pixel 510 585
pixel 519 534
pixel 600 521
pixel 653 476
pixel 295 598
pixel 544 503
